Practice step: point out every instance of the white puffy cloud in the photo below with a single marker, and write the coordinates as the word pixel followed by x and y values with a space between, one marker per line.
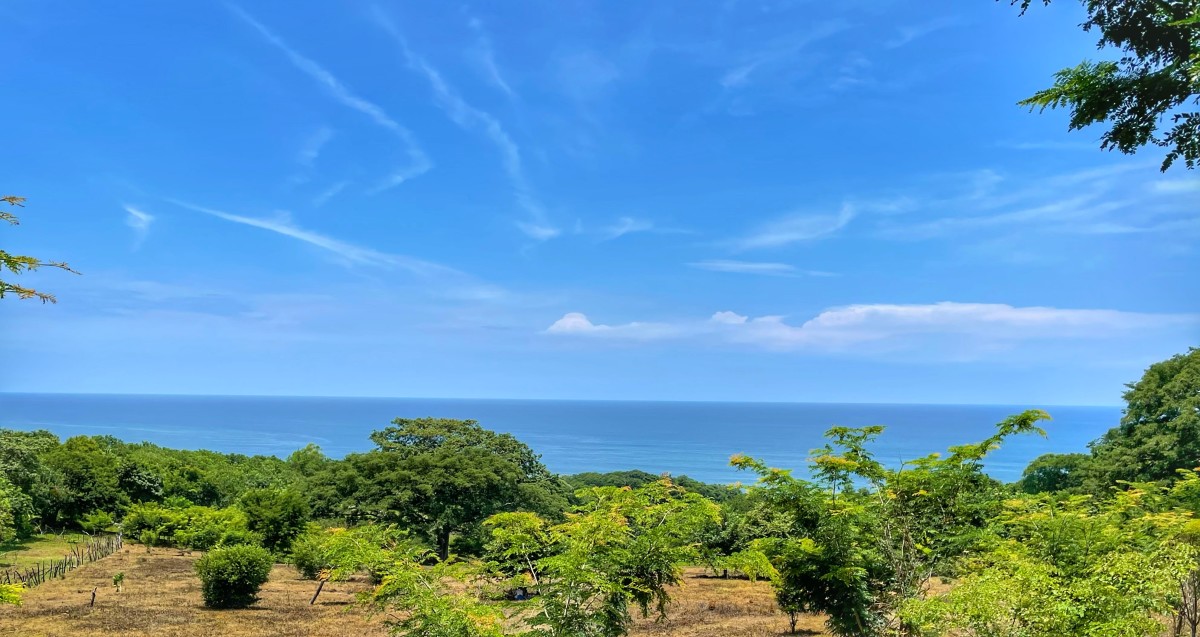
pixel 576 323
pixel 897 325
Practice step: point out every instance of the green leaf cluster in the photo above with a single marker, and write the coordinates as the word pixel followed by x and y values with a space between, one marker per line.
pixel 1144 95
pixel 20 264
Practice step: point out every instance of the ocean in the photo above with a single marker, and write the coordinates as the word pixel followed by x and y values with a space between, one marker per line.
pixel 692 438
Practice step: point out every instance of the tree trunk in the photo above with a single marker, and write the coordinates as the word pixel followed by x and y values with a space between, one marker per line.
pixel 443 543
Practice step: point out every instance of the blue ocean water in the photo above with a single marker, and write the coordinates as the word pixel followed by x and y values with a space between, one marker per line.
pixel 692 438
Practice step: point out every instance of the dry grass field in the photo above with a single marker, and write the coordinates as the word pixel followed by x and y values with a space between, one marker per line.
pixel 161 598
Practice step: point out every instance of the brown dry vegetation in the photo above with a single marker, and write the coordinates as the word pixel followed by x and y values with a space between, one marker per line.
pixel 161 598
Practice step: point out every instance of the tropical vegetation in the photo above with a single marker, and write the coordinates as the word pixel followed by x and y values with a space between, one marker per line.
pixel 464 531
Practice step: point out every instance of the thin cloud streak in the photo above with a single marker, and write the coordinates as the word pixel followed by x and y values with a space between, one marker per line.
pixel 346 252
pixel 329 193
pixel 1086 202
pixel 776 53
pixel 795 228
pixel 487 58
pixel 908 34
pixel 419 162
pixel 140 221
pixel 756 267
pixel 469 117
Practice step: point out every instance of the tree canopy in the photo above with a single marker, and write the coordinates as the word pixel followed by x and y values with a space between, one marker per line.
pixel 442 476
pixel 1149 87
pixel 1159 433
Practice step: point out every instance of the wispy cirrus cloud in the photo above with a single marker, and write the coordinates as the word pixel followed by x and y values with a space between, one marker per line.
pixel 908 34
pixel 486 57
pixel 469 117
pixel 776 54
pixel 311 150
pixel 756 267
pixel 324 196
pixel 626 225
pixel 418 162
pixel 1047 145
pixel 344 252
pixel 794 228
pixel 140 222
pixel 1095 201
pixel 1172 186
pixel 976 325
pixel 632 225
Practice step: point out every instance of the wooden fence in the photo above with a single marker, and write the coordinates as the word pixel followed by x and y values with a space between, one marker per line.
pixel 81 553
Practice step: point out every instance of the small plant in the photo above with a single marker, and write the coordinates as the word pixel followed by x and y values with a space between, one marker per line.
pixel 10 593
pixel 232 576
pixel 148 538
pixel 118 580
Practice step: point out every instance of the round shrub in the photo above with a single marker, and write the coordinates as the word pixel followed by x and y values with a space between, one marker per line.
pixel 231 576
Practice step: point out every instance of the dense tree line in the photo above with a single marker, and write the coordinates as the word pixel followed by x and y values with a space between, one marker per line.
pixel 438 478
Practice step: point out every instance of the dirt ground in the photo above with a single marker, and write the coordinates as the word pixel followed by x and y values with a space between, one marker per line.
pixel 161 598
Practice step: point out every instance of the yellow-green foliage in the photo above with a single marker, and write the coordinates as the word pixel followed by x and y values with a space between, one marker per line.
pixel 194 527
pixel 1071 567
pixel 337 553
pixel 10 593
pixel 622 548
pixel 429 608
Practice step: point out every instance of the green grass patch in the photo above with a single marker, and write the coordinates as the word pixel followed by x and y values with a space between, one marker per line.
pixel 39 548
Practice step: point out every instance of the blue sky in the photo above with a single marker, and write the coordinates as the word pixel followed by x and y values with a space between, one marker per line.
pixel 795 201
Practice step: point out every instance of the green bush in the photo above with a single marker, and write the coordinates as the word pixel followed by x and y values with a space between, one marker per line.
pixel 231 576
pixel 201 528
pixel 310 554
pixel 193 527
pixel 96 522
pixel 148 538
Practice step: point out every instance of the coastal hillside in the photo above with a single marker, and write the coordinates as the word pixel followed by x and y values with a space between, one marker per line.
pixel 448 528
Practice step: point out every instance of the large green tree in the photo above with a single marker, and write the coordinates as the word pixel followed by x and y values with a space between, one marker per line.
pixel 19 264
pixel 1148 94
pixel 33 482
pixel 1159 432
pixel 439 477
pixel 89 480
pixel 1055 472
